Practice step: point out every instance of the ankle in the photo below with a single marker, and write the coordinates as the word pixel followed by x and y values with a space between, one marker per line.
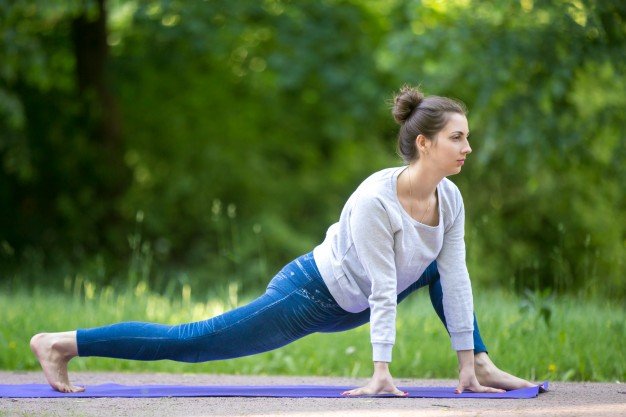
pixel 481 359
pixel 483 363
pixel 61 345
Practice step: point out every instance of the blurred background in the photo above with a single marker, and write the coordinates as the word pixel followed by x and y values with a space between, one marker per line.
pixel 179 143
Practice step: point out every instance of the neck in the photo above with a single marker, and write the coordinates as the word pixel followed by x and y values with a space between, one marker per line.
pixel 424 179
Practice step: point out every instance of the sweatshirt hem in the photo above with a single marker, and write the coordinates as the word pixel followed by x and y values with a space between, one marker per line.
pixel 381 352
pixel 462 340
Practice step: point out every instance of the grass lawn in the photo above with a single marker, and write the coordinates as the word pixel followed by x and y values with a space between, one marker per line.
pixel 533 336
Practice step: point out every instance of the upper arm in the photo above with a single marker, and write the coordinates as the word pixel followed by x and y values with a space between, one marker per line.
pixel 373 238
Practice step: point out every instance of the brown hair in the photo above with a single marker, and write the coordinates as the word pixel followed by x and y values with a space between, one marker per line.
pixel 417 114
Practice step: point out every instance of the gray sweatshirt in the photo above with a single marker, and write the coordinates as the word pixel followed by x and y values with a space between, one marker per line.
pixel 377 250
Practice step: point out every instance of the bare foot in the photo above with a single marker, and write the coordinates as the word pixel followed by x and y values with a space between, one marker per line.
pixel 490 375
pixel 54 351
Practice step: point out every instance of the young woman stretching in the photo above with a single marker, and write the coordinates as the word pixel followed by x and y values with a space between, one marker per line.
pixel 402 229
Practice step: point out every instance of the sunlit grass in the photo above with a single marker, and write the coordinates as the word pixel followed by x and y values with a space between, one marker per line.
pixel 575 340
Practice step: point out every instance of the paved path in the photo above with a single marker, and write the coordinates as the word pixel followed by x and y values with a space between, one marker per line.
pixel 564 399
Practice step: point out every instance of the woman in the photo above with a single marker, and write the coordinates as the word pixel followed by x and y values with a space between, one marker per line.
pixel 400 230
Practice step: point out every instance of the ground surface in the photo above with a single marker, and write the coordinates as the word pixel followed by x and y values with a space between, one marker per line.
pixel 564 399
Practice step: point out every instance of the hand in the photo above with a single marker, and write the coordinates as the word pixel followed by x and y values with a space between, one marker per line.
pixel 468 381
pixel 467 374
pixel 381 383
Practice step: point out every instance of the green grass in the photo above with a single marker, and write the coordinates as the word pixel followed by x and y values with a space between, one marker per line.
pixel 535 336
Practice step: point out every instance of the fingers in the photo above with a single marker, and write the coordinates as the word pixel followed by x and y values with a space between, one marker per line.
pixel 480 388
pixel 476 388
pixel 397 392
pixel 489 389
pixel 364 391
pixel 463 385
pixel 357 391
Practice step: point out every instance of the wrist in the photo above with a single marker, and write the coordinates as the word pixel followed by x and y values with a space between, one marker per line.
pixel 380 366
pixel 466 359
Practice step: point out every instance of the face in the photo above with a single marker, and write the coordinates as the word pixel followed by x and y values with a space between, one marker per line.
pixel 448 151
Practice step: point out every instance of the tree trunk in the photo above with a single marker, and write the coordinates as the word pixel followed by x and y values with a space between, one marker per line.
pixel 89 36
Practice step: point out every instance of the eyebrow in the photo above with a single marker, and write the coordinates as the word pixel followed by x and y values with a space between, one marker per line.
pixel 458 131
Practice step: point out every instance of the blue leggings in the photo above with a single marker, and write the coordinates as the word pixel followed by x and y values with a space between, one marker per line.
pixel 295 304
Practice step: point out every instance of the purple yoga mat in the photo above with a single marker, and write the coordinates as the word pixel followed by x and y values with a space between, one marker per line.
pixel 290 391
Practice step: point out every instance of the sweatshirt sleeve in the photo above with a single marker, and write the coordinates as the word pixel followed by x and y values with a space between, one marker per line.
pixel 373 240
pixel 458 304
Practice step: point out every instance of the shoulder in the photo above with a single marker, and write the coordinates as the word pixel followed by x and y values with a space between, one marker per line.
pixel 378 186
pixel 380 178
pixel 376 193
pixel 451 200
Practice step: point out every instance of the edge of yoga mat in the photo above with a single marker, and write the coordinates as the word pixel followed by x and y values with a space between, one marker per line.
pixel 281 391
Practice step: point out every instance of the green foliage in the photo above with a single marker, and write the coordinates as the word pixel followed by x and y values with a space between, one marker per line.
pixel 538 304
pixel 246 114
pixel 541 80
pixel 56 173
pixel 584 341
pixel 245 125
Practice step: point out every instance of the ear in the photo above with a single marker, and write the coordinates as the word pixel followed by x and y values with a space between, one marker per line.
pixel 422 143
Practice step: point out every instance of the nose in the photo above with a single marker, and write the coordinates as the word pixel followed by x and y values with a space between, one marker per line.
pixel 467 149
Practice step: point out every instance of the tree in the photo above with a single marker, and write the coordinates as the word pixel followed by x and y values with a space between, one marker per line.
pixel 541 80
pixel 61 147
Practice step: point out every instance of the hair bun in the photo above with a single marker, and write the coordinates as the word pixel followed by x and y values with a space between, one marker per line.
pixel 407 100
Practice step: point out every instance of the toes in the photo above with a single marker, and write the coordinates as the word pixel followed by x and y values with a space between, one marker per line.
pixel 68 389
pixel 61 388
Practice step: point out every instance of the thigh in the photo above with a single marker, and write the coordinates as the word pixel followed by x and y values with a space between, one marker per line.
pixel 293 306
pixel 347 321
